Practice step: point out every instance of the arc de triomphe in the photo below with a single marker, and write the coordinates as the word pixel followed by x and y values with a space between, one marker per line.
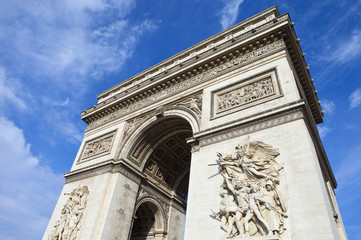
pixel 218 141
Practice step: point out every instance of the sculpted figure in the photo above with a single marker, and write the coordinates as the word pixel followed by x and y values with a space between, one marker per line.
pixel 254 211
pixel 194 103
pixel 68 226
pixel 250 202
pixel 274 209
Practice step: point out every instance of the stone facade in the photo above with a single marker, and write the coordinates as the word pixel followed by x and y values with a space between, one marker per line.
pixel 223 133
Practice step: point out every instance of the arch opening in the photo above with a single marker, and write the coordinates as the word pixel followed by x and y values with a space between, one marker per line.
pixel 147 223
pixel 164 156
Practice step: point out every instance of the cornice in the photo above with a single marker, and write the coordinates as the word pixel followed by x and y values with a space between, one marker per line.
pixel 185 80
pixel 109 166
pixel 213 44
pixel 248 40
pixel 276 117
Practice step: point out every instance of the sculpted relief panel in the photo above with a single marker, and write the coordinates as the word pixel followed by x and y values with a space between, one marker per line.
pixel 251 203
pixel 194 103
pixel 247 93
pixel 98 147
pixel 69 224
pixel 183 82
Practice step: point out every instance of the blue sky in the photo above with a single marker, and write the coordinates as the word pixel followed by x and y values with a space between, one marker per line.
pixel 56 56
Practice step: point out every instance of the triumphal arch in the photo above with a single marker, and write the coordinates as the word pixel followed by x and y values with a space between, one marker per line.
pixel 216 142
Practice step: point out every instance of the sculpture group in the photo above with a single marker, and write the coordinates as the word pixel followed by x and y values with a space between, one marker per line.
pixel 251 202
pixel 68 226
pixel 246 94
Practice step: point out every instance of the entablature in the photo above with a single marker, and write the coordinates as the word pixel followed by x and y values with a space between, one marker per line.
pixel 248 41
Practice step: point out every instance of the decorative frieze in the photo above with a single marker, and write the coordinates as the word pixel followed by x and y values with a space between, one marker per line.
pixel 246 93
pixel 69 224
pixel 97 147
pixel 251 127
pixel 252 203
pixel 209 48
pixel 181 83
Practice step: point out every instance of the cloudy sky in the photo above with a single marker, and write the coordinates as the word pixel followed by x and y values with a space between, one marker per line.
pixel 56 56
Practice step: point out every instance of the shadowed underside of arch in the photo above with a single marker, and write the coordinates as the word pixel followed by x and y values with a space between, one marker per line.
pixel 164 155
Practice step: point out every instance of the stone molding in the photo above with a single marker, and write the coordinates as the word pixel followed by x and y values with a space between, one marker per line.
pixel 134 123
pixel 146 193
pixel 193 103
pixel 254 126
pixel 246 93
pixel 210 46
pixel 147 190
pixel 97 147
pixel 103 168
pixel 194 77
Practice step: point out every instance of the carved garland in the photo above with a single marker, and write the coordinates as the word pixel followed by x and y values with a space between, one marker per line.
pixel 251 202
pixel 191 78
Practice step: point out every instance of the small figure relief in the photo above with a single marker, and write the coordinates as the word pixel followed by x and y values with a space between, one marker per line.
pixel 98 146
pixel 245 94
pixel 133 124
pixel 194 103
pixel 251 203
pixel 69 224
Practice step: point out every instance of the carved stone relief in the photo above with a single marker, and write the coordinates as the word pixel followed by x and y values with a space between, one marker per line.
pixel 252 203
pixel 98 146
pixel 246 93
pixel 194 103
pixel 69 224
pixel 190 79
pixel 134 123
pixel 242 33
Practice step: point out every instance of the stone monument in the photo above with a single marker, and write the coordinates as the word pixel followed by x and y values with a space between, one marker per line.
pixel 222 135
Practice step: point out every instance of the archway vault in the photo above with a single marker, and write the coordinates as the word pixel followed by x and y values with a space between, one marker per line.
pixel 162 152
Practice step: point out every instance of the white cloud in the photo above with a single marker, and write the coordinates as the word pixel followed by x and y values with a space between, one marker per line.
pixel 28 189
pixel 323 131
pixel 328 106
pixel 58 49
pixel 348 49
pixel 355 98
pixel 9 91
pixel 56 40
pixel 229 13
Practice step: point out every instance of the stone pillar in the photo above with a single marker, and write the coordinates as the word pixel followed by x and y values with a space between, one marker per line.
pixel 176 223
pixel 117 210
pixel 307 212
